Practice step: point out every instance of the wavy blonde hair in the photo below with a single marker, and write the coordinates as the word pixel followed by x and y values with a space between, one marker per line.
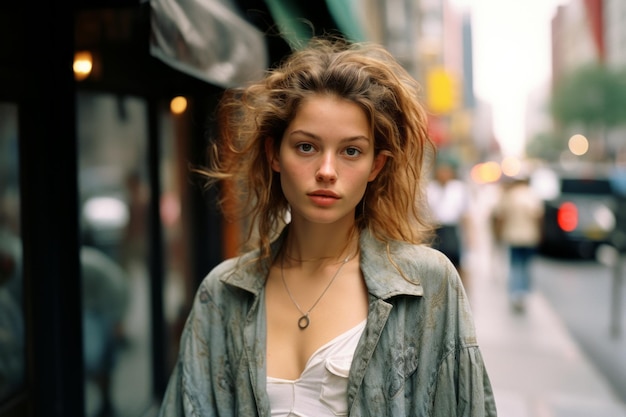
pixel 393 207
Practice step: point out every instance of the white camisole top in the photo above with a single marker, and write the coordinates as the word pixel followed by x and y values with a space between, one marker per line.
pixel 322 388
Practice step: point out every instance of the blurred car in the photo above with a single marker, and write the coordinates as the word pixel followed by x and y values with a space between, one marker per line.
pixel 579 216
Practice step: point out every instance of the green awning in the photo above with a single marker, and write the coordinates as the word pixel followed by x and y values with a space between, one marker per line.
pixel 299 21
pixel 345 13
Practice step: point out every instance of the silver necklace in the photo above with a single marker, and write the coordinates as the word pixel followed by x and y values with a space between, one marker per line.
pixel 304 320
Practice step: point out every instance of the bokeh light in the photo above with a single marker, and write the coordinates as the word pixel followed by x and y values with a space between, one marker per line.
pixel 83 64
pixel 511 166
pixel 178 105
pixel 486 172
pixel 578 145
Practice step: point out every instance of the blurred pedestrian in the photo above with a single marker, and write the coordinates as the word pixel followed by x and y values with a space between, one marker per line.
pixel 105 300
pixel 12 331
pixel 518 219
pixel 448 198
pixel 342 311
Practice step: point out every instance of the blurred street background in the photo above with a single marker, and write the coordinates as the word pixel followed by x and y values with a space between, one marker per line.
pixel 561 356
pixel 105 233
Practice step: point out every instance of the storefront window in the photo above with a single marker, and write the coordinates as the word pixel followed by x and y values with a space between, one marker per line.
pixel 12 341
pixel 114 197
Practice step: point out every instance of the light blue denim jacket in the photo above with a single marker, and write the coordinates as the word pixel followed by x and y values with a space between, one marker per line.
pixel 418 354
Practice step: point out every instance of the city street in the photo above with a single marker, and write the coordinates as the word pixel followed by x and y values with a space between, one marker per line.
pixel 581 292
pixel 557 358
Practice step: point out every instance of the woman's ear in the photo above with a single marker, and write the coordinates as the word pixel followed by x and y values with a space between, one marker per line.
pixel 377 166
pixel 272 155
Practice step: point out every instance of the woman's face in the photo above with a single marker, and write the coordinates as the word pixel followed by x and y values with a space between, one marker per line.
pixel 326 159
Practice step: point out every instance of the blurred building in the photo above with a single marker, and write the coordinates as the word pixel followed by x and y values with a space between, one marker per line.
pixel 577 36
pixel 433 40
pixel 614 18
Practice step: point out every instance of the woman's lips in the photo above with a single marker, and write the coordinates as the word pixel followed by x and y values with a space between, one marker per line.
pixel 323 197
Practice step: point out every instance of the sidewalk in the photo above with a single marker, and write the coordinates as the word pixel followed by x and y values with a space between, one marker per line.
pixel 535 366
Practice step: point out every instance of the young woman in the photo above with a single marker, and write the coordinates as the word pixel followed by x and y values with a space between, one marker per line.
pixel 340 309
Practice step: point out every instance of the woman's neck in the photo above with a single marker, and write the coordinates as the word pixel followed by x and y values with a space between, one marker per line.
pixel 316 244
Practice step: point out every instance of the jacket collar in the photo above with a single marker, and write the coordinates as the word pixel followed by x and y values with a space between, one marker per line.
pixel 382 278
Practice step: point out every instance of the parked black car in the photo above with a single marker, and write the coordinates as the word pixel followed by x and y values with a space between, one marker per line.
pixel 579 218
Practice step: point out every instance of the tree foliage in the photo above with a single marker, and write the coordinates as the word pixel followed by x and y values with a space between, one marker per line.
pixel 546 145
pixel 593 95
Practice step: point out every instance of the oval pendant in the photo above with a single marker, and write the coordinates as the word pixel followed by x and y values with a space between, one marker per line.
pixel 303 322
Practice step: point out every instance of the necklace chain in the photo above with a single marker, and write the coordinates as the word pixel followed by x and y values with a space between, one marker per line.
pixel 304 320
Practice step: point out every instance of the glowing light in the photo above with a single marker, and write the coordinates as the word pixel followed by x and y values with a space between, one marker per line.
pixel 486 172
pixel 83 64
pixel 104 212
pixel 578 145
pixel 511 166
pixel 567 217
pixel 178 105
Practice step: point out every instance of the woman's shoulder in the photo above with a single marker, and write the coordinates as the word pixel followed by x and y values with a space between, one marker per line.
pixel 226 267
pixel 421 257
pixel 441 284
pixel 400 251
pixel 418 263
pixel 242 271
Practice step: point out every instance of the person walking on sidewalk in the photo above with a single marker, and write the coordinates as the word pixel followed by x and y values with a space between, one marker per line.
pixel 342 310
pixel 448 198
pixel 518 226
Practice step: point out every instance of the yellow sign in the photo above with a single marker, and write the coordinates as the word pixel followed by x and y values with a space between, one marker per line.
pixel 442 91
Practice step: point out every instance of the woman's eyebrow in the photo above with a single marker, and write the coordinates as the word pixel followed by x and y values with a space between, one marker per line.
pixel 305 133
pixel 317 137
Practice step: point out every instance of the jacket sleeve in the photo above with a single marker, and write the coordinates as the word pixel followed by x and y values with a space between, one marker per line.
pixel 172 403
pixel 463 386
pixel 200 384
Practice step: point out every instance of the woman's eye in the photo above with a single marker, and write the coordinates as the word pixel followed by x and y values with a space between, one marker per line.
pixel 353 152
pixel 305 147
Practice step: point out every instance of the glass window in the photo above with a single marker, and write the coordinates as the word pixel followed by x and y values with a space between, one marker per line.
pixel 114 197
pixel 12 346
pixel 591 186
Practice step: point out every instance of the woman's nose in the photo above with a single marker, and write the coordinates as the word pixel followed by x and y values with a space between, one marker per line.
pixel 327 171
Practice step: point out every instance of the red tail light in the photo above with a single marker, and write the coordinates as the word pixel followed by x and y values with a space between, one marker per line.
pixel 567 217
